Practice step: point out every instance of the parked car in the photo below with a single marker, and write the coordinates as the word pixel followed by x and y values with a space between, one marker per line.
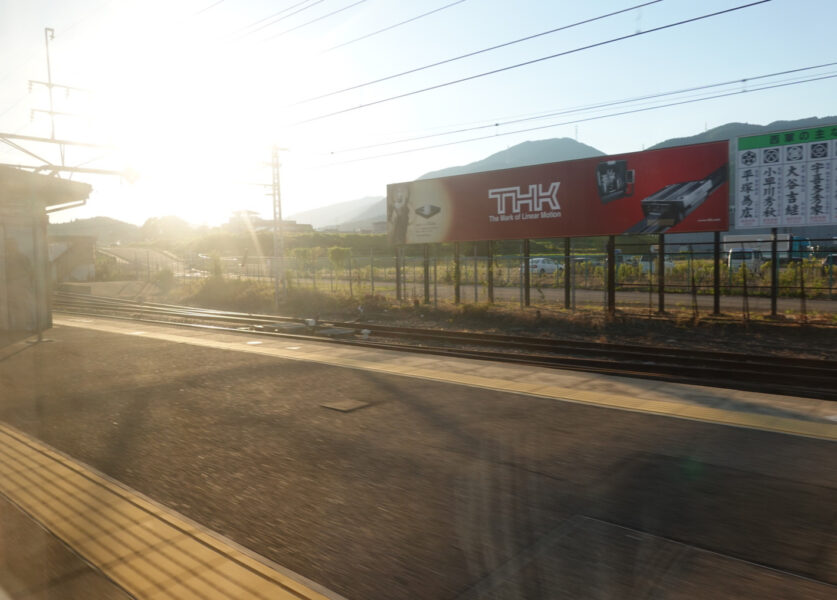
pixel 751 258
pixel 544 266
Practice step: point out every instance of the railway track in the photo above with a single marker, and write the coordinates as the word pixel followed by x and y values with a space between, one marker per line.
pixel 805 377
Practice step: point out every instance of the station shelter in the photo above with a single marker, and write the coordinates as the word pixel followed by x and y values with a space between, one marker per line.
pixel 25 288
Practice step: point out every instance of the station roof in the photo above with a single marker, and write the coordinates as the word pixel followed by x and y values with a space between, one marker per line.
pixel 17 185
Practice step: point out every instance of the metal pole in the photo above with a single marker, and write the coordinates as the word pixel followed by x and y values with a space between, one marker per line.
pixel 716 274
pixel 661 273
pixel 435 279
pixel 372 270
pixel 398 274
pixel 611 275
pixel 526 274
pixel 774 272
pixel 476 294
pixel 490 273
pixel 426 273
pixel 567 274
pixel 456 273
pixel 278 238
pixel 49 34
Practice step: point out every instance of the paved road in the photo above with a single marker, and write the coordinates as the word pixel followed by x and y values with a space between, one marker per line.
pixel 436 490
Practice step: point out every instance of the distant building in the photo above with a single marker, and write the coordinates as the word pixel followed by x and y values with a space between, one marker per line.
pixel 72 257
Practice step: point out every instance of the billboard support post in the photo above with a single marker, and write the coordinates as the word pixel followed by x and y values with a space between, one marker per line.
pixel 567 273
pixel 456 273
pixel 526 273
pixel 611 275
pixel 435 278
pixel 398 274
pixel 716 273
pixel 661 273
pixel 489 250
pixel 476 279
pixel 774 271
pixel 427 273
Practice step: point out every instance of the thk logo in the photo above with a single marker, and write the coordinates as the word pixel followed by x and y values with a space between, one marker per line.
pixel 534 200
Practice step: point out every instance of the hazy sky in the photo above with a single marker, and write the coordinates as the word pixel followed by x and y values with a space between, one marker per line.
pixel 193 94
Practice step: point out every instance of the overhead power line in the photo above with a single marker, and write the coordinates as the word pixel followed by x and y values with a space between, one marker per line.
pixel 580 109
pixel 280 18
pixel 390 27
pixel 320 18
pixel 531 62
pixel 587 119
pixel 475 53
pixel 203 10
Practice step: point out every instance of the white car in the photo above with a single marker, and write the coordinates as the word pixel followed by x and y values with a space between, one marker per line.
pixel 544 266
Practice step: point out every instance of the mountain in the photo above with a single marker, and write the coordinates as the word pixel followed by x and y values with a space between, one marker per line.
pixel 524 154
pixel 369 208
pixel 107 231
pixel 360 214
pixel 730 131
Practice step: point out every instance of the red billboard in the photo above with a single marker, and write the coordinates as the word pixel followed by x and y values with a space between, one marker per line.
pixel 671 190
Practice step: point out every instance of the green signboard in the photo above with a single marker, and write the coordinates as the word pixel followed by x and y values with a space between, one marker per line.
pixel 786 179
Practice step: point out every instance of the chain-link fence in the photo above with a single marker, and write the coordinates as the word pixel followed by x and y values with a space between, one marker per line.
pixel 804 279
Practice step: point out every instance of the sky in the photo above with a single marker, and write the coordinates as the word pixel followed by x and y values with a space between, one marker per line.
pixel 192 95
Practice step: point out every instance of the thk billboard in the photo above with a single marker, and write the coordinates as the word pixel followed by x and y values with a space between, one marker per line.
pixel 676 190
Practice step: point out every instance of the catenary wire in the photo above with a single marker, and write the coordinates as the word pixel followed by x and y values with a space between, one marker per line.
pixel 281 18
pixel 203 10
pixel 390 27
pixel 320 18
pixel 530 62
pixel 577 109
pixel 586 119
pixel 475 53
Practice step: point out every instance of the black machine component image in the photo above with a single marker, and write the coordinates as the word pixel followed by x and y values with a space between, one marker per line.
pixel 670 205
pixel 614 180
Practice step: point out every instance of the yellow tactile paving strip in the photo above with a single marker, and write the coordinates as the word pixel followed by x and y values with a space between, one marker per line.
pixel 147 550
pixel 376 360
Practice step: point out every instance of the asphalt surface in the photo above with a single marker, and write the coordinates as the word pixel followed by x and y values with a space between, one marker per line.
pixel 435 490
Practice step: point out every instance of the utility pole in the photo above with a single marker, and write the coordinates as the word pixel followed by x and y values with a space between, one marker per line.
pixel 49 35
pixel 278 238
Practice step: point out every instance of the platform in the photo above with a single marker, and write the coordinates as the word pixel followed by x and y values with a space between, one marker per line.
pixel 180 462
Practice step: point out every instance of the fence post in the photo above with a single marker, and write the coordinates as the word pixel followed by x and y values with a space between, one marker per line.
pixel 351 276
pixel 456 273
pixel 489 250
pixel 716 274
pixel 526 273
pixel 476 279
pixel 611 275
pixel 745 297
pixel 398 274
pixel 372 270
pixel 435 278
pixel 661 273
pixel 567 272
pixel 774 272
pixel 803 305
pixel 427 273
pixel 694 284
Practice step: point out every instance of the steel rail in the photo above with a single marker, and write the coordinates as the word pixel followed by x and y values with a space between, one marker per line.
pixel 801 377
